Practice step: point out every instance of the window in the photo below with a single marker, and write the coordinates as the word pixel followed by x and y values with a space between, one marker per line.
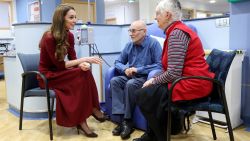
pixel 5 14
pixel 34 11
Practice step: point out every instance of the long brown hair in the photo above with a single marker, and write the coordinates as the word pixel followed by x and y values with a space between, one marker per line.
pixel 59 32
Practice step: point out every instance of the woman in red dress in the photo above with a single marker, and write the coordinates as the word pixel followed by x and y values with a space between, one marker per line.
pixel 72 81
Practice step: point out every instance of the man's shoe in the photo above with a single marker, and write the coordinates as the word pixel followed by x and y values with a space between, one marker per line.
pixel 144 137
pixel 127 129
pixel 117 131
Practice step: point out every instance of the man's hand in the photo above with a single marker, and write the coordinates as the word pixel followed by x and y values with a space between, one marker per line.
pixel 130 71
pixel 148 82
pixel 133 70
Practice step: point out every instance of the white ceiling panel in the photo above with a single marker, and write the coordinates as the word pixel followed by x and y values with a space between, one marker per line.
pixel 220 6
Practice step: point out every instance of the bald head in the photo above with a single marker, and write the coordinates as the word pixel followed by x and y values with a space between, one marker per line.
pixel 138 25
pixel 137 31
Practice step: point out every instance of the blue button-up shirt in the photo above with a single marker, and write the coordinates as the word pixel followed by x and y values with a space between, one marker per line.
pixel 145 57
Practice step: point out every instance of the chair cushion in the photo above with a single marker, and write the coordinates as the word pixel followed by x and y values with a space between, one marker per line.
pixel 204 106
pixel 39 92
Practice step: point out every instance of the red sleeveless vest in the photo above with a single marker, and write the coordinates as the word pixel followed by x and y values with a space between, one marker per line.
pixel 194 65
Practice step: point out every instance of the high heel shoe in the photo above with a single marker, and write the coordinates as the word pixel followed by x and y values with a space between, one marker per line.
pixel 91 135
pixel 101 119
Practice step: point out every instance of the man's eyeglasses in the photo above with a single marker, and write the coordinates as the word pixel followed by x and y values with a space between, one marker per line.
pixel 134 30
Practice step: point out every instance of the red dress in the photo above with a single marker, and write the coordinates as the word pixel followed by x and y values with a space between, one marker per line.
pixel 76 92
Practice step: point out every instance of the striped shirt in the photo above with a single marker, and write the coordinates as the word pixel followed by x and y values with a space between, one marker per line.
pixel 177 48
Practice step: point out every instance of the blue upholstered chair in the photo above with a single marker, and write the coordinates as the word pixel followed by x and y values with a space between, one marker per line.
pixel 219 63
pixel 192 27
pixel 30 86
pixel 138 119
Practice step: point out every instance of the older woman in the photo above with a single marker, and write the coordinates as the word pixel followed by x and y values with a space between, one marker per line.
pixel 182 55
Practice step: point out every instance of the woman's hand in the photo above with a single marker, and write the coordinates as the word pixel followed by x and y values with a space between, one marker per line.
pixel 84 66
pixel 148 82
pixel 93 59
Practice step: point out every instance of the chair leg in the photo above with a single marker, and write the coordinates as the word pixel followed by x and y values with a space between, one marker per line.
pixel 21 113
pixel 50 119
pixel 52 107
pixel 229 126
pixel 212 124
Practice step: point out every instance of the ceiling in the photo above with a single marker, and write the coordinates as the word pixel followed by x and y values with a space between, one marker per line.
pixel 221 6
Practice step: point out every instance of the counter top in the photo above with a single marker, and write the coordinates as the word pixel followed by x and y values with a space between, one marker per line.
pixel 7 38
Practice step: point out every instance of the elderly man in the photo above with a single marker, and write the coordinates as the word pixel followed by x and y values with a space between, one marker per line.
pixel 138 58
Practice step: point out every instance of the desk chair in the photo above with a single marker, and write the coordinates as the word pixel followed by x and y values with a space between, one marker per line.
pixel 219 63
pixel 30 86
pixel 4 47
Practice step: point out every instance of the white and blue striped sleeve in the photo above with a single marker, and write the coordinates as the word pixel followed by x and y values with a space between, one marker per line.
pixel 177 48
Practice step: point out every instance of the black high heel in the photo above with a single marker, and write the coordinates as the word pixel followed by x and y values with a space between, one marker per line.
pixel 91 135
pixel 101 119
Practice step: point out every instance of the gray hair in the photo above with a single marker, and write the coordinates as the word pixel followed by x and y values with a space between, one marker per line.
pixel 172 6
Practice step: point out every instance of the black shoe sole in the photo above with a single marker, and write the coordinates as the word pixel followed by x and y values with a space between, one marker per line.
pixel 128 136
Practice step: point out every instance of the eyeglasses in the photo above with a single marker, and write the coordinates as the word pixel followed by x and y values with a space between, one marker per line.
pixel 134 30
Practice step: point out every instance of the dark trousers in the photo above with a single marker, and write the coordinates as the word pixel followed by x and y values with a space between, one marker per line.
pixel 152 101
pixel 123 98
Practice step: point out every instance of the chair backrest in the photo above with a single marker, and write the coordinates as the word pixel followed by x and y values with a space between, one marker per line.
pixel 219 63
pixel 30 62
pixel 192 27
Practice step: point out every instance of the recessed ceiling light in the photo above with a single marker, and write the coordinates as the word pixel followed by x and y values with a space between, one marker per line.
pixel 212 1
pixel 130 1
pixel 109 0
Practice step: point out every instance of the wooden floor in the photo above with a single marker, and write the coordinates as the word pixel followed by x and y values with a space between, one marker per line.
pixel 37 130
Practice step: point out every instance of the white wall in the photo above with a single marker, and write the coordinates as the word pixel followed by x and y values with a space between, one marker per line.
pixel 125 13
pixel 5 33
pixel 147 10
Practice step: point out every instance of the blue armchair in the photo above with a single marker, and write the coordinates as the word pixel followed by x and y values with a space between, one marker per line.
pixel 138 118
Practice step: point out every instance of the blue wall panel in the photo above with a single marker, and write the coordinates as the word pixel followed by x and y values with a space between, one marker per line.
pixel 47 9
pixel 239 39
pixel 211 36
pixel 22 11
